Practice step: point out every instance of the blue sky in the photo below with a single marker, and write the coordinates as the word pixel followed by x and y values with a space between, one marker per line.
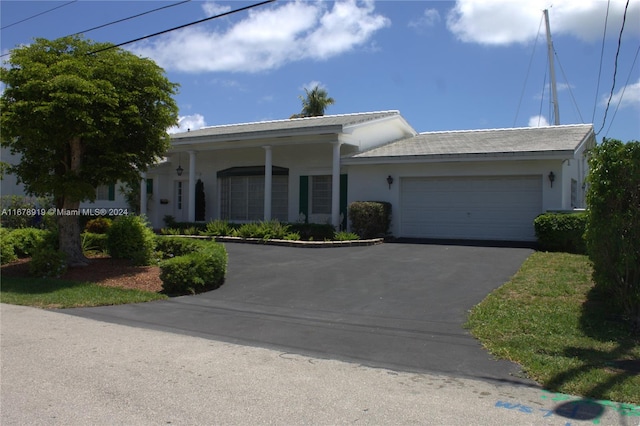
pixel 445 65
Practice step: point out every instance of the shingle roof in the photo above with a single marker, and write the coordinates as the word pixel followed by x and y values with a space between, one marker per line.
pixel 497 142
pixel 327 123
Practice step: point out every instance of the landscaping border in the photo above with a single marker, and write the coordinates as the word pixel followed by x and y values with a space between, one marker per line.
pixel 287 243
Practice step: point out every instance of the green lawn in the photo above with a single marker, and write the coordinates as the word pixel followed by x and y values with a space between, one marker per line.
pixel 549 319
pixel 53 293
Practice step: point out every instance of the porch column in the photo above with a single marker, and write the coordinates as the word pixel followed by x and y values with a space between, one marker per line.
pixel 191 193
pixel 268 179
pixel 143 194
pixel 335 186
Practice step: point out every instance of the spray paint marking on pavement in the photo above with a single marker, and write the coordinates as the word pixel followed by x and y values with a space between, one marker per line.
pixel 573 407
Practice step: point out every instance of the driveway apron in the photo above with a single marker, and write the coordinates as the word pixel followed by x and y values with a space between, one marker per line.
pixel 398 306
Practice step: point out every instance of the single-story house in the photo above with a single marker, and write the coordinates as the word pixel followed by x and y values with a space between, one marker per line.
pixel 475 184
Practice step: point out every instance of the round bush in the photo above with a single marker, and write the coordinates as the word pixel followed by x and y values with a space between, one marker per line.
pixel 48 263
pixel 26 240
pixel 7 253
pixel 99 225
pixel 129 237
pixel 199 271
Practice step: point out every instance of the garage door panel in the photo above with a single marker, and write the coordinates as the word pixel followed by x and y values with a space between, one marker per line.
pixel 495 208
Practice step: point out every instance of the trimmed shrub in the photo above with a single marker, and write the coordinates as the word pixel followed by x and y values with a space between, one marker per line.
pixel 47 262
pixel 613 224
pixel 561 232
pixel 7 253
pixel 26 240
pixel 129 237
pixel 312 231
pixel 170 247
pixel 92 242
pixel 199 271
pixel 370 219
pixel 99 225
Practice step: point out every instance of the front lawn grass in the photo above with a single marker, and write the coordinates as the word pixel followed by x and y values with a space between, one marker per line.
pixel 53 293
pixel 550 320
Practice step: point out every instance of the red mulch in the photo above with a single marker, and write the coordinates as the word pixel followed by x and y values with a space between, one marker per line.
pixel 101 270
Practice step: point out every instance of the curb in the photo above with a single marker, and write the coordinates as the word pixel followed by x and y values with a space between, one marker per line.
pixel 288 243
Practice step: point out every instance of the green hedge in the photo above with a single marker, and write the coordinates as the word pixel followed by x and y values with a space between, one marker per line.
pixel 7 253
pixel 26 240
pixel 169 247
pixel 198 271
pixel 370 219
pixel 561 232
pixel 129 237
pixel 613 227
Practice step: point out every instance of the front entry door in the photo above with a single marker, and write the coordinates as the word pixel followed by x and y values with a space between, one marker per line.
pixel 181 202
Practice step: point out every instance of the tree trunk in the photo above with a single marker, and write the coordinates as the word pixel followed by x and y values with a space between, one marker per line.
pixel 69 216
pixel 69 233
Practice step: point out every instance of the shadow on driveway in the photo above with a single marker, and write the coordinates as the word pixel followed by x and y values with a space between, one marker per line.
pixel 398 306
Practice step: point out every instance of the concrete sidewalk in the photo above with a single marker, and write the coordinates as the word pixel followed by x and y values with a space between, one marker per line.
pixel 66 370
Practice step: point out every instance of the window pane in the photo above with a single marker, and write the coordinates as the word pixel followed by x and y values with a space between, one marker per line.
pixel 321 194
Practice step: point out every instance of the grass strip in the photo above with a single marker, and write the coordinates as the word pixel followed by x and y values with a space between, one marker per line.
pixel 551 321
pixel 53 293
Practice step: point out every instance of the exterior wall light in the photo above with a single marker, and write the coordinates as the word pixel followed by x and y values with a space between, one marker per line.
pixel 389 180
pixel 179 170
pixel 551 177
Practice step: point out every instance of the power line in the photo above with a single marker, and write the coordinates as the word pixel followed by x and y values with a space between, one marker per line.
pixel 130 17
pixel 121 20
pixel 182 26
pixel 615 68
pixel 626 84
pixel 604 34
pixel 38 14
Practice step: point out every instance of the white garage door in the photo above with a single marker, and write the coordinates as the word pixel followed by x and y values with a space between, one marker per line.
pixel 472 208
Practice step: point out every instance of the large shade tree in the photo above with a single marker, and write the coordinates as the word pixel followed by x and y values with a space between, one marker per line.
pixel 314 103
pixel 80 119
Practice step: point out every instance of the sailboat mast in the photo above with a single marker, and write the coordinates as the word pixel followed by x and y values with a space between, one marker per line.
pixel 552 71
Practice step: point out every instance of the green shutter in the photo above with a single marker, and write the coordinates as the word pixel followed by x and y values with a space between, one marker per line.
pixel 343 200
pixel 304 197
pixel 149 186
pixel 112 192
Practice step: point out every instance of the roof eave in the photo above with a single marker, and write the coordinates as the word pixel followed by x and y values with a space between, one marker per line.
pixel 435 158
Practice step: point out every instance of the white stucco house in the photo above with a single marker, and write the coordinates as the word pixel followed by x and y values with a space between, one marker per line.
pixel 476 184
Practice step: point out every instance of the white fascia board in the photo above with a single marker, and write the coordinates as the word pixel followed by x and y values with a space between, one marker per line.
pixel 447 158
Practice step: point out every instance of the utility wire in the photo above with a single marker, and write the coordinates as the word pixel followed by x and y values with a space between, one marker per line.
pixel 524 86
pixel 182 26
pixel 615 68
pixel 626 84
pixel 121 20
pixel 38 14
pixel 544 83
pixel 131 17
pixel 604 35
pixel 575 104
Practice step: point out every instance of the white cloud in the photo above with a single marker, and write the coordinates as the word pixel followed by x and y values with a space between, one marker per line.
pixel 628 96
pixel 188 122
pixel 269 38
pixel 213 9
pixel 313 83
pixel 503 22
pixel 538 121
pixel 427 20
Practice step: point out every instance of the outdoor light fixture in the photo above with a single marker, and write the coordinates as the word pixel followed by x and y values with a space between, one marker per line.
pixel 552 177
pixel 179 170
pixel 389 181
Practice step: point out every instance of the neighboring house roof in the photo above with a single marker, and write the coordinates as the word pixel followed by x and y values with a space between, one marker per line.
pixel 547 142
pixel 276 128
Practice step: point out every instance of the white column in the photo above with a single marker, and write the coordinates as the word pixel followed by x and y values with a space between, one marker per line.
pixel 191 192
pixel 335 186
pixel 143 194
pixel 268 179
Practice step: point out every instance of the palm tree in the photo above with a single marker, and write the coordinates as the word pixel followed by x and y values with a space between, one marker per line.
pixel 315 103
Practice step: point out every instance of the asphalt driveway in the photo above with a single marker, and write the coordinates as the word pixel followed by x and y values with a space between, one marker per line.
pixel 398 306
